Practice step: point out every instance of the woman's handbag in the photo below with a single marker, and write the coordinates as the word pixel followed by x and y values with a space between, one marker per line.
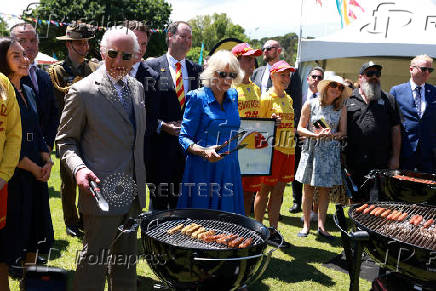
pixel 3 205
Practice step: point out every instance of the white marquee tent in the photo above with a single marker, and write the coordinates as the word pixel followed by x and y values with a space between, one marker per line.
pixel 390 33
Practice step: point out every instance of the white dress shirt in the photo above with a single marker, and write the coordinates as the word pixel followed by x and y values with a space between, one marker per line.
pixel 423 101
pixel 172 65
pixel 265 77
pixel 33 76
pixel 309 95
pixel 134 69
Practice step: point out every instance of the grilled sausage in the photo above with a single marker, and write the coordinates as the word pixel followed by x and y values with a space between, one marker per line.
pixel 234 243
pixel 226 239
pixel 246 243
pixel 192 230
pixel 361 208
pixel 386 213
pixel 367 210
pixel 207 233
pixel 392 214
pixel 428 223
pixel 374 210
pixel 412 220
pixel 186 228
pixel 175 229
pixel 196 233
pixel 402 217
pixel 212 238
pixel 380 211
pixel 396 215
pixel 418 220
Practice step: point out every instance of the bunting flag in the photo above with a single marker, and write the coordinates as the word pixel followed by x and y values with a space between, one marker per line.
pixel 347 14
pixel 318 2
pixel 200 58
pixel 56 23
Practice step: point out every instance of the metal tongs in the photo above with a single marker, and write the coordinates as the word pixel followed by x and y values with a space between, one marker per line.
pixel 96 192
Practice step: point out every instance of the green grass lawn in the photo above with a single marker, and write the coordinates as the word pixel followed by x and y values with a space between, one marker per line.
pixel 297 268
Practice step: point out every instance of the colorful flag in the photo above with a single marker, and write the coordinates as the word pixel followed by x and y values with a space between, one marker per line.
pixel 318 2
pixel 355 3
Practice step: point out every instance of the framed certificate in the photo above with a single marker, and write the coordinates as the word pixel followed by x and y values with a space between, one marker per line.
pixel 256 157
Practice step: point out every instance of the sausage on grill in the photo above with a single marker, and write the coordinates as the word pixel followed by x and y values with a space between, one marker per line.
pixel 396 215
pixel 418 220
pixel 361 208
pixel 226 239
pixel 374 210
pixel 380 211
pixel 246 243
pixel 196 233
pixel 386 213
pixel 428 223
pixel 412 220
pixel 234 243
pixel 402 217
pixel 367 210
pixel 212 238
pixel 175 229
pixel 207 233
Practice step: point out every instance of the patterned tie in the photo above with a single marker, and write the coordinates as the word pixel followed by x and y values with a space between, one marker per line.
pixel 418 101
pixel 33 77
pixel 180 90
pixel 126 100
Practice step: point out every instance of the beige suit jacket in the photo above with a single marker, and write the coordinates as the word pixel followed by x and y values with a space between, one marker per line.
pixel 95 131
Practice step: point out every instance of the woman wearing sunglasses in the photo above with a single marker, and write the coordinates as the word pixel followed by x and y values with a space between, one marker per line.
pixel 212 177
pixel 323 123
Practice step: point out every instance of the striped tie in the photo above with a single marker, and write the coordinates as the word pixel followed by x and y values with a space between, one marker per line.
pixel 180 90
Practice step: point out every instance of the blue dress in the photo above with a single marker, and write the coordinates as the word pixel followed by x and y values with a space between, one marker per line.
pixel 320 163
pixel 211 185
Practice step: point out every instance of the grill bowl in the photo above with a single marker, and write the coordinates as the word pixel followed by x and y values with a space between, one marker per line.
pixel 189 267
pixel 396 255
pixel 407 191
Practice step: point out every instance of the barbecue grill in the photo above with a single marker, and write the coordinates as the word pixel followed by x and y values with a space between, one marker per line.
pixel 396 245
pixel 184 263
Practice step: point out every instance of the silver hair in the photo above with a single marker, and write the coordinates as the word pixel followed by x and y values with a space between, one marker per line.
pixel 421 57
pixel 217 62
pixel 118 31
pixel 24 25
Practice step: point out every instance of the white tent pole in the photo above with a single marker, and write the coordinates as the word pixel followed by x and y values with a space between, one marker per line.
pixel 300 34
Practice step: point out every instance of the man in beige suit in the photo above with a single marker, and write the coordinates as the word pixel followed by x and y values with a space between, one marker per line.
pixel 102 133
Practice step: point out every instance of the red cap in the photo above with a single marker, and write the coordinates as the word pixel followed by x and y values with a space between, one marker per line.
pixel 281 66
pixel 244 49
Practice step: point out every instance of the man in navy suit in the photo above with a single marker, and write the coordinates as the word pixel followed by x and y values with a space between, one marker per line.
pixel 39 81
pixel 168 161
pixel 149 79
pixel 417 102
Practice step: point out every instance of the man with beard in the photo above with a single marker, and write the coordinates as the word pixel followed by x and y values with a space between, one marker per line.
pixel 373 129
pixel 417 103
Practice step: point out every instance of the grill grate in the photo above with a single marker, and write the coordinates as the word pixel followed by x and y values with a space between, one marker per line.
pixel 403 231
pixel 159 232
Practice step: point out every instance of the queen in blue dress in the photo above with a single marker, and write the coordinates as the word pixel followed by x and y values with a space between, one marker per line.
pixel 211 179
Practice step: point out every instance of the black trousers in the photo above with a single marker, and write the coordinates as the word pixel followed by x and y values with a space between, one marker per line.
pixel 297 187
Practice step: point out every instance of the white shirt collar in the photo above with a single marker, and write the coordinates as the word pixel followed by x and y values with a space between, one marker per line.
pixel 172 61
pixel 413 85
pixel 114 81
pixel 134 69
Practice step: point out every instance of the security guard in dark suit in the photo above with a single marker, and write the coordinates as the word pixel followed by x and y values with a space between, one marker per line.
pixel 64 74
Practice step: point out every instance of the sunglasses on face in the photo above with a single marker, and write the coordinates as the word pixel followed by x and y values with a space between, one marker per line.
pixel 371 74
pixel 425 69
pixel 125 56
pixel 223 74
pixel 336 85
pixel 316 77
pixel 268 48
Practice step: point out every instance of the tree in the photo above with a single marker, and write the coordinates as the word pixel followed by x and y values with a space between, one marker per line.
pixel 4 31
pixel 99 13
pixel 194 54
pixel 211 29
pixel 289 43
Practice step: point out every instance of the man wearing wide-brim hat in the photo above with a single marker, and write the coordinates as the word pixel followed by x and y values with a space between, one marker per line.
pixel 63 75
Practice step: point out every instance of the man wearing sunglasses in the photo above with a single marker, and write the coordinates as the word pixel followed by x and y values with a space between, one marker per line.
pixel 63 74
pixel 417 102
pixel 101 134
pixel 177 77
pixel 373 129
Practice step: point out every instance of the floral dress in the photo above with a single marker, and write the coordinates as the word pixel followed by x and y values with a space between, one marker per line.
pixel 320 158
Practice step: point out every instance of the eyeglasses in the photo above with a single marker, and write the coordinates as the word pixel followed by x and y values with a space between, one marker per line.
pixel 268 48
pixel 125 56
pixel 371 74
pixel 316 77
pixel 336 85
pixel 425 69
pixel 223 74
